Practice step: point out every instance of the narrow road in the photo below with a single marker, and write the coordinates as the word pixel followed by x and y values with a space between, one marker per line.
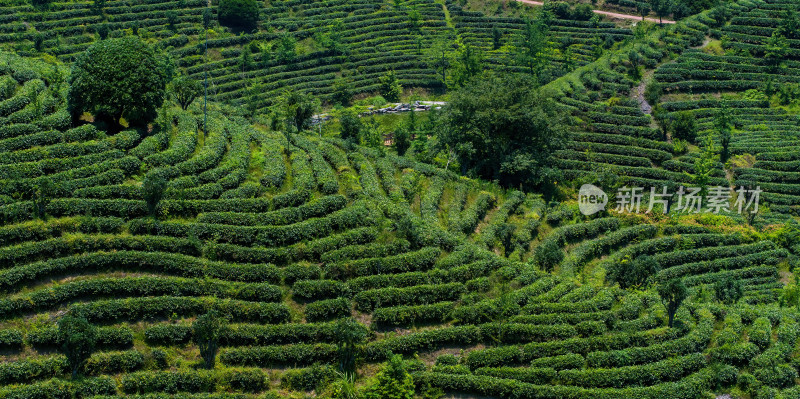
pixel 607 13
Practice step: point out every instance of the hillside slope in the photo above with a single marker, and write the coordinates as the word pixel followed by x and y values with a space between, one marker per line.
pixel 288 51
pixel 286 239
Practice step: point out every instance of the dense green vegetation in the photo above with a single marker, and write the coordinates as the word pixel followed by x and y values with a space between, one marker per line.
pixel 150 249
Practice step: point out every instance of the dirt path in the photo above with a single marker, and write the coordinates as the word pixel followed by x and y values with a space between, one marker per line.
pixel 606 13
pixel 638 92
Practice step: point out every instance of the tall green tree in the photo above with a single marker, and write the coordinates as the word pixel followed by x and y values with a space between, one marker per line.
pixel 185 90
pixel 672 294
pixel 371 133
pixel 342 95
pixel 705 164
pixel 42 196
pixel 206 333
pixel 439 57
pixel 662 8
pixel 331 38
pixel 118 78
pixel 350 125
pixel 684 126
pixel 245 59
pixel 402 140
pixel 295 109
pixel 238 14
pixel 501 128
pixel 643 8
pixel 632 273
pixel 530 46
pixel 79 338
pixel 469 64
pixel 724 130
pixel 153 188
pixel 286 49
pixel 497 38
pixel 349 335
pixel 776 49
pixel 389 86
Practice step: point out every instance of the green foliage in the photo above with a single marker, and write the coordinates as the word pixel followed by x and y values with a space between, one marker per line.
pixel 548 254
pixel 342 95
pixel 206 333
pixel 185 90
pixel 351 125
pixel 393 382
pixel 632 273
pixel 501 129
pixel 439 56
pixel 349 336
pixel 153 189
pixel 724 130
pixel 705 165
pixel 776 50
pixel 402 140
pixel 530 46
pixel 240 14
pixel 497 38
pixel 286 49
pixel 468 65
pixel 78 339
pixel 672 294
pixel 389 87
pixel 118 78
pixel 728 290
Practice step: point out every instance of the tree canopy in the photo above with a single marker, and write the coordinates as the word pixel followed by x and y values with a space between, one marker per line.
pixel 239 14
pixel 186 90
pixel 501 128
pixel 672 294
pixel 118 78
pixel 78 338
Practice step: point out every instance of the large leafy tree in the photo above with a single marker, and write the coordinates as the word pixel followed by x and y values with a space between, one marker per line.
pixel 349 336
pixel 350 125
pixel 501 128
pixel 662 8
pixel 206 332
pixel 469 63
pixel 238 14
pixel 186 90
pixel 530 46
pixel 118 78
pixel 728 290
pixel 389 86
pixel 78 338
pixel 672 294
pixel 295 110
pixel 632 273
pixel 776 49
pixel 439 56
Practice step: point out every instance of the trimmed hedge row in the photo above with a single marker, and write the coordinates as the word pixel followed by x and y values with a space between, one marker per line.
pixel 418 260
pixel 370 300
pixel 283 355
pixel 174 264
pixel 165 306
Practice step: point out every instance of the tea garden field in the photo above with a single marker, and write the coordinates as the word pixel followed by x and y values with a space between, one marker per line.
pixel 302 245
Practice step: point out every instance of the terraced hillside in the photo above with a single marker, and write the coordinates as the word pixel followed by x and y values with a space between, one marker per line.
pixel 292 48
pixel 498 293
pixel 754 88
